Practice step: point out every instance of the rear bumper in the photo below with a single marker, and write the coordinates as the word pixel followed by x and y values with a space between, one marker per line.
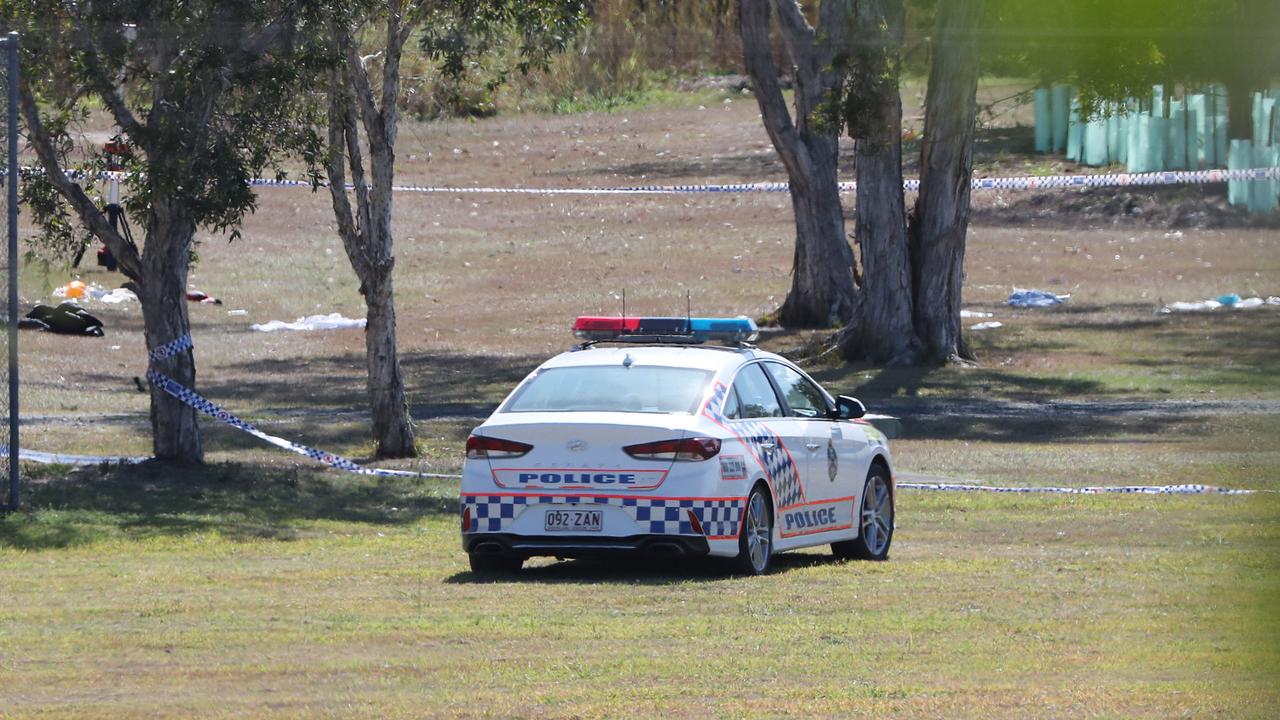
pixel 576 546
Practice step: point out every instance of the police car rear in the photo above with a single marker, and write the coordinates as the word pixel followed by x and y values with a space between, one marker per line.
pixel 600 450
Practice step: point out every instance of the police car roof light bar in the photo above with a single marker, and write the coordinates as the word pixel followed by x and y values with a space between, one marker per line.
pixel 654 329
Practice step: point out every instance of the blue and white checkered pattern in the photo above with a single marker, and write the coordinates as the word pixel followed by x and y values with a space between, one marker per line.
pixel 779 468
pixel 654 516
pixel 171 348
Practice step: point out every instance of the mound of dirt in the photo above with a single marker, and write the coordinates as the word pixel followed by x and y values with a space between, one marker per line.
pixel 1177 207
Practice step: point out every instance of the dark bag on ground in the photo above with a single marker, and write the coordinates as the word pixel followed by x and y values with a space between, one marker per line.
pixel 67 319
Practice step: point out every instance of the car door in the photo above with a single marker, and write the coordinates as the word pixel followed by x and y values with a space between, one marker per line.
pixel 758 417
pixel 832 452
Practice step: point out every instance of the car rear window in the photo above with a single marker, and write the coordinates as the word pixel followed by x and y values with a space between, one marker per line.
pixel 611 388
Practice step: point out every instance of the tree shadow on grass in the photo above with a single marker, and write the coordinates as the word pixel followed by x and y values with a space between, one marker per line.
pixel 1224 348
pixel 639 570
pixel 1049 428
pixel 64 508
pixel 438 384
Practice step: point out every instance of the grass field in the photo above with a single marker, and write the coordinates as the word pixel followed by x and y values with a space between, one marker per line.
pixel 260 585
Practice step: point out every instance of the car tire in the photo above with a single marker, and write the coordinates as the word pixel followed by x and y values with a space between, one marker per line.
pixel 875 521
pixel 491 564
pixel 755 537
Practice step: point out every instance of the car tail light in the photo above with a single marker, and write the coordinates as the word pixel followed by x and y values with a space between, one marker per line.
pixel 466 519
pixel 702 448
pixel 479 446
pixel 694 523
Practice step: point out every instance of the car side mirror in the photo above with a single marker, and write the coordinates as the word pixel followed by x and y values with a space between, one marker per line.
pixel 848 408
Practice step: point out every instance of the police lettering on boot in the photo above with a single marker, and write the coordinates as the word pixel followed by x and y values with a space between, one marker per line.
pixel 581 479
pixel 577 478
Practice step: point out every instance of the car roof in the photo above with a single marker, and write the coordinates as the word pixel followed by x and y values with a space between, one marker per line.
pixel 696 357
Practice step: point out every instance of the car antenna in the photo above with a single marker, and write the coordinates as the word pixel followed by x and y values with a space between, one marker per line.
pixel 624 302
pixel 688 309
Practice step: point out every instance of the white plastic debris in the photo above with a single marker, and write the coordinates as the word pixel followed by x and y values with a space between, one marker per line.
pixel 975 314
pixel 82 292
pixel 1191 306
pixel 1207 305
pixel 991 325
pixel 115 297
pixel 332 321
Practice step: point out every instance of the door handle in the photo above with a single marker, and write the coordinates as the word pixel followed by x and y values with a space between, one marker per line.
pixel 768 446
pixel 813 445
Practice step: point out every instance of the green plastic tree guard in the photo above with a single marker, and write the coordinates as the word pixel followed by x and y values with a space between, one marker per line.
pixel 1175 149
pixel 1075 134
pixel 1044 121
pixel 1060 109
pixel 1113 133
pixel 1262 196
pixel 1239 158
pixel 1195 131
pixel 1139 147
pixel 1095 142
pixel 1156 131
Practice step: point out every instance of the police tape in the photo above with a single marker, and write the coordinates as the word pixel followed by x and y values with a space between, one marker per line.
pixel 198 402
pixel 1029 182
pixel 1092 490
pixel 45 458
pixel 1033 182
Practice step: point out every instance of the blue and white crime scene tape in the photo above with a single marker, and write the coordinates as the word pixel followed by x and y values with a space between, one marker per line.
pixel 200 403
pixel 1093 490
pixel 1030 182
pixel 1169 177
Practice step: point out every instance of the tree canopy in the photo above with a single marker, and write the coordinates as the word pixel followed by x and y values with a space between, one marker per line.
pixel 1118 49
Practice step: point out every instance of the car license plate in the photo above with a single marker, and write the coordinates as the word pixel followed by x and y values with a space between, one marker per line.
pixel 574 520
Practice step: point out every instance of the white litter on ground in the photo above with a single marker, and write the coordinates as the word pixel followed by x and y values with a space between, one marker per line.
pixel 81 292
pixel 991 325
pixel 115 297
pixel 1207 305
pixel 332 321
pixel 975 314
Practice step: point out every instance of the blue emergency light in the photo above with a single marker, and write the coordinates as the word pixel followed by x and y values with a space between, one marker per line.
pixel 728 330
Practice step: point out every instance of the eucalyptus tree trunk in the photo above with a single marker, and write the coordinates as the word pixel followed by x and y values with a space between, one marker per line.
pixel 882 331
pixel 940 220
pixel 823 291
pixel 163 297
pixel 158 273
pixel 366 234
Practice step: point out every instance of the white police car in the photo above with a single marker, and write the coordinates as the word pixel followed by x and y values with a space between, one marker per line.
pixel 643 440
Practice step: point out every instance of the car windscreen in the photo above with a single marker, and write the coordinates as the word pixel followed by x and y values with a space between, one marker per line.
pixel 611 388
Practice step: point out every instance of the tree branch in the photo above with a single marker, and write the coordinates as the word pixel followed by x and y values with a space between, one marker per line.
pixel 391 71
pixel 340 132
pixel 257 44
pixel 753 20
pixel 102 83
pixel 357 76
pixel 92 218
pixel 797 33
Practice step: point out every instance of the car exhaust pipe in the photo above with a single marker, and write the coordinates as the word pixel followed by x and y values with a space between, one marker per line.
pixel 488 548
pixel 666 549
